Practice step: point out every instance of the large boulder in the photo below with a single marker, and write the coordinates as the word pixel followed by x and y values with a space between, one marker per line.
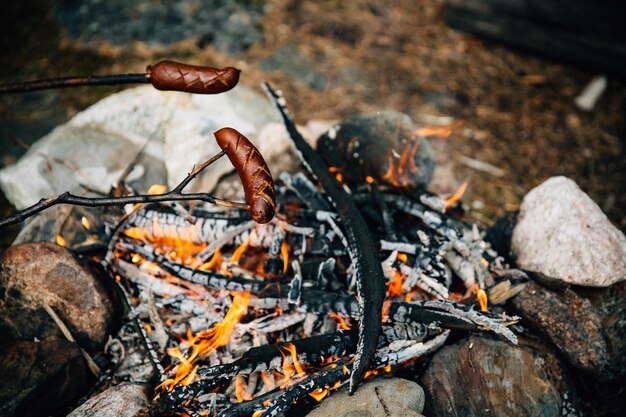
pixel 37 274
pixel 561 234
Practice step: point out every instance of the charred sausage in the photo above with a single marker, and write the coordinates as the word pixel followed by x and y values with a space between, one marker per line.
pixel 256 178
pixel 170 75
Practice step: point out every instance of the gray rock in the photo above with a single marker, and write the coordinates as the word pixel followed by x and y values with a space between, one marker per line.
pixel 95 146
pixel 124 400
pixel 35 274
pixel 382 145
pixel 39 377
pixel 382 397
pixel 479 376
pixel 563 235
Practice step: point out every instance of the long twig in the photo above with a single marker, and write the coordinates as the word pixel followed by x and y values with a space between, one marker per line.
pixel 175 194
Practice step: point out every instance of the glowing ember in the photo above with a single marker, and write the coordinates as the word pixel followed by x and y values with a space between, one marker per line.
pixel 60 241
pixel 85 223
pixel 456 196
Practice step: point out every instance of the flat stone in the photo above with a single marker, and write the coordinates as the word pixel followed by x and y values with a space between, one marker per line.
pixel 123 400
pixel 563 235
pixel 38 378
pixel 382 145
pixel 35 274
pixel 381 397
pixel 479 376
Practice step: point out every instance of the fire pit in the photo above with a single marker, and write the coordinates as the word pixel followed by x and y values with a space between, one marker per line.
pixel 360 273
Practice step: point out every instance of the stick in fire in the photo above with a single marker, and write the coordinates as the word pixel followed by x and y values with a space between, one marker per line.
pixel 361 248
pixel 257 181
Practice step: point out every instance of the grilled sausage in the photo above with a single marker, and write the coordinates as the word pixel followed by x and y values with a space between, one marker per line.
pixel 170 75
pixel 256 178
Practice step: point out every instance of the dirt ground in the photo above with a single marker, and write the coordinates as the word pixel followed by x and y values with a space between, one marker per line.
pixel 517 110
pixel 336 58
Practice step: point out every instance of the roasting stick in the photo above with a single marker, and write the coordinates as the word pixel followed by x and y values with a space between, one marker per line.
pixel 363 252
pixel 175 194
pixel 164 75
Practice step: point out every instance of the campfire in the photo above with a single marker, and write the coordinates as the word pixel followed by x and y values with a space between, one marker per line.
pixel 322 283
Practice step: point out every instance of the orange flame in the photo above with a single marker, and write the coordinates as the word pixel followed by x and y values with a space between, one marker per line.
pixel 240 390
pixel 85 223
pixel 291 349
pixel 291 367
pixel 443 131
pixel 215 263
pixel 207 341
pixel 284 250
pixel 481 295
pixel 157 189
pixel 399 174
pixel 319 394
pixel 342 322
pixel 258 413
pixel 395 285
pixel 456 196
pixel 234 259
